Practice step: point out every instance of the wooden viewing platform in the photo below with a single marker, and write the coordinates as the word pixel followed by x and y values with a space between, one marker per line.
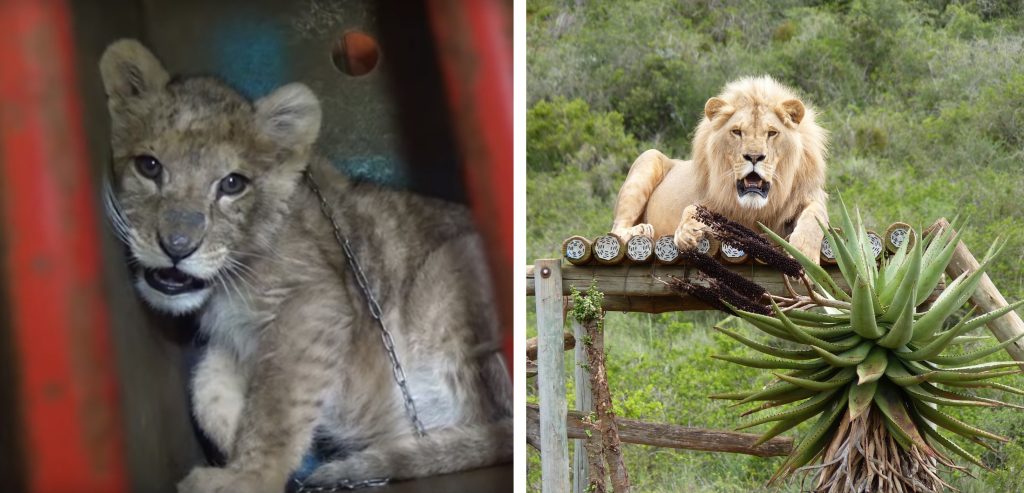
pixel 631 286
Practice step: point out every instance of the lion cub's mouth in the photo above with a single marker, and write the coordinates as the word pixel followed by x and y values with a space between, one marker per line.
pixel 171 281
pixel 753 183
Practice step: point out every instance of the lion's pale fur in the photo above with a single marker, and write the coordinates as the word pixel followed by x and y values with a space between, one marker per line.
pixel 657 196
pixel 799 176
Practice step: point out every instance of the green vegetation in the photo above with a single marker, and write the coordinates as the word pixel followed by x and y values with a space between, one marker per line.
pixel 925 104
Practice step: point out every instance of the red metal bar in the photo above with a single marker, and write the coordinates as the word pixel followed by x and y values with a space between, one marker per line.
pixel 474 43
pixel 67 397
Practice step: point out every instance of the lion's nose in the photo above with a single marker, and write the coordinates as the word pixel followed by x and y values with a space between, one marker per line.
pixel 177 247
pixel 754 158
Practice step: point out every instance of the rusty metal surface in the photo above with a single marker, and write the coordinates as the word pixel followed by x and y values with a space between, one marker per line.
pixel 69 421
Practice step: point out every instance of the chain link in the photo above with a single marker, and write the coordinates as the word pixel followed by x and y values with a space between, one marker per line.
pixel 371 301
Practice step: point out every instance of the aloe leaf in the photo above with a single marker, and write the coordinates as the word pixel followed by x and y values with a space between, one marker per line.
pixel 890 401
pixel 770 325
pixel 801 334
pixel 860 398
pixel 769 350
pixel 899 375
pixel 950 376
pixel 862 314
pixel 941 440
pixel 985 366
pixel 815 438
pixel 873 367
pixel 770 363
pixel 949 301
pixel 938 344
pixel 934 268
pixel 804 410
pixel 844 377
pixel 980 320
pixel 905 292
pixel 812 269
pixel 989 385
pixel 948 394
pixel 903 329
pixel 974 355
pixel 955 425
pixel 731 396
pixel 807 316
pixel 779 393
pixel 917 392
pixel 894 274
pixel 851 357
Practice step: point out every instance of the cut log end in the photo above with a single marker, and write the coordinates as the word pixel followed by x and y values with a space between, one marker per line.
pixel 608 249
pixel 733 254
pixel 898 234
pixel 640 249
pixel 577 250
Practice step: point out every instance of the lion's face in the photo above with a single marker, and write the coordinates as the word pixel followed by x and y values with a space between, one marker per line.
pixel 200 176
pixel 754 145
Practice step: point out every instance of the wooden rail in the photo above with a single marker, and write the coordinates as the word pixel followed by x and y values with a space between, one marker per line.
pixel 669 435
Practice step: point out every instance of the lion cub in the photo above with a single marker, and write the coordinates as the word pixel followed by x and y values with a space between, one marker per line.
pixel 207 191
pixel 758 157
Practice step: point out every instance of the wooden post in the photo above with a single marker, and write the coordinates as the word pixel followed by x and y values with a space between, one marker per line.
pixel 554 446
pixel 986 297
pixel 584 404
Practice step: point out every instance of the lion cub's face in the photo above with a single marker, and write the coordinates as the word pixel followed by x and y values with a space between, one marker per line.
pixel 201 177
pixel 758 140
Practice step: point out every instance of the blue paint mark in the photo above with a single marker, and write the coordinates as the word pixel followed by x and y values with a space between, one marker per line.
pixel 250 55
pixel 379 169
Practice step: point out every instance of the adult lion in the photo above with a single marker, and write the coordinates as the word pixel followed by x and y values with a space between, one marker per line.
pixel 758 156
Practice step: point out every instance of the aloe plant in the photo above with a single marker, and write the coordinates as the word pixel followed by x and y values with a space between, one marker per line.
pixel 873 366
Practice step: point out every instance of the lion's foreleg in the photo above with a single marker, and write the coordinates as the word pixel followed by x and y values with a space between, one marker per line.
pixel 807 233
pixel 644 176
pixel 690 230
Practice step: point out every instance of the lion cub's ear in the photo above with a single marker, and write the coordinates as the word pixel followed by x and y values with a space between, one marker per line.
pixel 790 109
pixel 289 117
pixel 129 70
pixel 715 107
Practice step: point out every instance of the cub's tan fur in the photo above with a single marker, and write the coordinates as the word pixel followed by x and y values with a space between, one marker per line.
pixel 661 193
pixel 294 362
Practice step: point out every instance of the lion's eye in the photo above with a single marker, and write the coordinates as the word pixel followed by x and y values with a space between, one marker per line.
pixel 148 166
pixel 737 132
pixel 772 133
pixel 232 184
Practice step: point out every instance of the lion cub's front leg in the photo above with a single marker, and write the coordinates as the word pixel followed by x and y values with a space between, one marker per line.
pixel 690 230
pixel 218 394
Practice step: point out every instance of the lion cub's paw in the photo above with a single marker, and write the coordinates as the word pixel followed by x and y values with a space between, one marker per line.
pixel 808 244
pixel 224 480
pixel 689 234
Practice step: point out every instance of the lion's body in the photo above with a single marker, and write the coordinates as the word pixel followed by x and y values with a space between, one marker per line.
pixel 659 190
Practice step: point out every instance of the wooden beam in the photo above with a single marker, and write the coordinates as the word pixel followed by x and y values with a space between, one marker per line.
pixel 670 436
pixel 568 343
pixel 554 465
pixel 584 404
pixel 986 297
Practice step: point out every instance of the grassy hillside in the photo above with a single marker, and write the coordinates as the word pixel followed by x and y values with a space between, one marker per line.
pixel 925 104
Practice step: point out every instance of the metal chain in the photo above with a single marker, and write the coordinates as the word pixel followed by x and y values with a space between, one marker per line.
pixel 343 485
pixel 371 301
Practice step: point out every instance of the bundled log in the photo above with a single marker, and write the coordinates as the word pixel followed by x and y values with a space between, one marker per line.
pixel 897 234
pixel 665 251
pixel 733 254
pixel 577 250
pixel 608 249
pixel 877 245
pixel 708 246
pixel 640 249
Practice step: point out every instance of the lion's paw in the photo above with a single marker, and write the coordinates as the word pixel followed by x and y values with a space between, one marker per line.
pixel 222 480
pixel 688 234
pixel 808 244
pixel 641 230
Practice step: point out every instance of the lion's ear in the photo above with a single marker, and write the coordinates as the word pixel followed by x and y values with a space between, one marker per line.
pixel 715 107
pixel 791 109
pixel 129 71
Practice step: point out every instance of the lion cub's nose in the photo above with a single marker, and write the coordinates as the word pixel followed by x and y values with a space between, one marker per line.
pixel 754 158
pixel 178 247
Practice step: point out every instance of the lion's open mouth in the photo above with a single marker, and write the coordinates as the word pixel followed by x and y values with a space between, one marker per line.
pixel 753 183
pixel 171 281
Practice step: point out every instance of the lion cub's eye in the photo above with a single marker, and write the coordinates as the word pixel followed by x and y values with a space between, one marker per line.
pixel 737 132
pixel 232 184
pixel 772 133
pixel 148 166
